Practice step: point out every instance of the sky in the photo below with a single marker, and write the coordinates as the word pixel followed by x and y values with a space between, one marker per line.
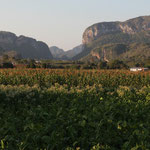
pixel 62 22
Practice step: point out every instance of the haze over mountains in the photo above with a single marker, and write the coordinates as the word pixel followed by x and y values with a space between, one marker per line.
pixel 106 41
pixel 60 54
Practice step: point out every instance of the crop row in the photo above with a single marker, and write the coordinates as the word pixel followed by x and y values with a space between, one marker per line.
pixel 82 78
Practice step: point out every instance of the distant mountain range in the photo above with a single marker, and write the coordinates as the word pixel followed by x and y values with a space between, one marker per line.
pixel 60 54
pixel 105 41
pixel 24 46
pixel 129 41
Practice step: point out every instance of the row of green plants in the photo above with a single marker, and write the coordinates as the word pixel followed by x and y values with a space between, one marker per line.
pixel 77 118
pixel 48 77
pixel 115 64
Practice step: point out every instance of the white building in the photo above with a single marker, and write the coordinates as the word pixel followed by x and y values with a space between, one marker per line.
pixel 138 69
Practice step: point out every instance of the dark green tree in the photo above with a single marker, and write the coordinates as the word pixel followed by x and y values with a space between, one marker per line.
pixel 117 64
pixel 31 65
pixel 44 65
pixel 7 65
pixel 102 65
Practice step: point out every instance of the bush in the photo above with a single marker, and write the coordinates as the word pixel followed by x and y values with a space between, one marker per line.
pixel 117 64
pixel 44 65
pixel 102 65
pixel 31 65
pixel 7 65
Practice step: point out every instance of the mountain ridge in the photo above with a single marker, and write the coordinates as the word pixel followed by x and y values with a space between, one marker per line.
pixel 60 54
pixel 136 30
pixel 130 26
pixel 27 47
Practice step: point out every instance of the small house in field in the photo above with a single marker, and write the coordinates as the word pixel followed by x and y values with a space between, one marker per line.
pixel 37 61
pixel 135 69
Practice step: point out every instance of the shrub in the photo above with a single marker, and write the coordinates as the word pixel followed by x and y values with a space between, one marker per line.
pixel 7 65
pixel 31 65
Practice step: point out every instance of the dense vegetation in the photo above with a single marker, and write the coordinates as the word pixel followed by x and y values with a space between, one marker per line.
pixel 74 109
pixel 129 53
pixel 108 41
pixel 73 78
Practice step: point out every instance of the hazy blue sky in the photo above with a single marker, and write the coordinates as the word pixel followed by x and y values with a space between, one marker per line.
pixel 62 22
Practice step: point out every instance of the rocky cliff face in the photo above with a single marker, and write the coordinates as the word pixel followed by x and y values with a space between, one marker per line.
pixel 27 47
pixel 111 40
pixel 131 26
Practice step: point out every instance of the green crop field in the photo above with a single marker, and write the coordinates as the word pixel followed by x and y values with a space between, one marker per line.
pixel 43 109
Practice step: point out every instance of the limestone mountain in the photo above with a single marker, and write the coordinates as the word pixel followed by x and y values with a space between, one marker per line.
pixel 57 53
pixel 111 40
pixel 134 52
pixel 130 27
pixel 60 54
pixel 25 46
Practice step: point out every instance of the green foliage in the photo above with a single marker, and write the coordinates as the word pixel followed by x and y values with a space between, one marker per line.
pixel 44 65
pixel 7 65
pixel 127 47
pixel 48 77
pixel 57 118
pixel 74 109
pixel 31 65
pixel 117 64
pixel 102 65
